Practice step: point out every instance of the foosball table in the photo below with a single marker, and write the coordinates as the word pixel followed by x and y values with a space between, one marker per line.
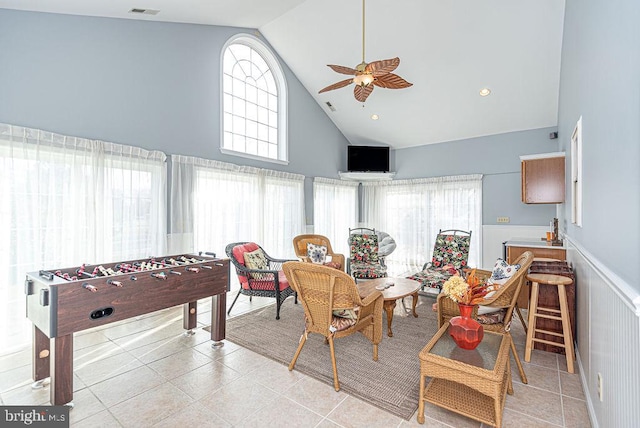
pixel 61 302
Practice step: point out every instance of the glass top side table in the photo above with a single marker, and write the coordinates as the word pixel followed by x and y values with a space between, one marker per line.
pixel 471 383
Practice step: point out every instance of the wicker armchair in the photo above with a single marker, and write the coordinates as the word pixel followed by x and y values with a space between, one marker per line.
pixel 450 255
pixel 326 293
pixel 505 299
pixel 300 247
pixel 269 281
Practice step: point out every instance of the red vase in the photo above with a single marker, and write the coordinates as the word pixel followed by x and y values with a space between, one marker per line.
pixel 465 331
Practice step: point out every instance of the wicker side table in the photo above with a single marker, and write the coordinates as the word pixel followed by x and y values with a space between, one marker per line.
pixel 471 383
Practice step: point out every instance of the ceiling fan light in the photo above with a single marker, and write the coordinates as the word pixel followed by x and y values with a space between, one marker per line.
pixel 363 80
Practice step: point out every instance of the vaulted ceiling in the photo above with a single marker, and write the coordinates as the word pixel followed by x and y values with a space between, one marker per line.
pixel 449 50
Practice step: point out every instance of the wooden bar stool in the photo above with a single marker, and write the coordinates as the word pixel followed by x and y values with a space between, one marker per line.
pixel 562 315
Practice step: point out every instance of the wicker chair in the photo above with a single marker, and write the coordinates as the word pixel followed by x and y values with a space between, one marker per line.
pixel 505 299
pixel 325 291
pixel 450 255
pixel 364 260
pixel 300 247
pixel 268 282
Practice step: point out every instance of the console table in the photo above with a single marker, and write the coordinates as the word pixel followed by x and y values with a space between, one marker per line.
pixel 471 383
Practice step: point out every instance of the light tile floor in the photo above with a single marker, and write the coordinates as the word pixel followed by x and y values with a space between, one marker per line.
pixel 144 372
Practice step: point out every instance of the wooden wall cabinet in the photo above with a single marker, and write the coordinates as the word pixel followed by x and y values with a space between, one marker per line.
pixel 542 178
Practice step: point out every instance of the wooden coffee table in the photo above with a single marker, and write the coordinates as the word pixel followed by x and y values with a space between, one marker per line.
pixel 402 287
pixel 471 383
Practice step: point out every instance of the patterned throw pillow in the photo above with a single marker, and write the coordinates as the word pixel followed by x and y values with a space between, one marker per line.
pixel 316 253
pixel 502 271
pixel 256 260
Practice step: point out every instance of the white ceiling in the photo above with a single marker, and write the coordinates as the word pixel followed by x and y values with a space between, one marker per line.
pixel 448 49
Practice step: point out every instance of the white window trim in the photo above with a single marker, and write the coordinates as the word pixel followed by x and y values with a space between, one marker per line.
pixel 259 46
pixel 576 174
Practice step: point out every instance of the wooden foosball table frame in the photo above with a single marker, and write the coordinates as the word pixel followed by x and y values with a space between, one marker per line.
pixel 60 306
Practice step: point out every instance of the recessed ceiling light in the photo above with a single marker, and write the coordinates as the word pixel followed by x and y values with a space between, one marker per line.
pixel 375 117
pixel 484 92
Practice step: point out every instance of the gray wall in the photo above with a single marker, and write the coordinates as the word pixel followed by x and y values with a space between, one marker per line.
pixel 600 81
pixel 147 84
pixel 156 85
pixel 497 157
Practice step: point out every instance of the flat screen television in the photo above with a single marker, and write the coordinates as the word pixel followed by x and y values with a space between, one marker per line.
pixel 367 159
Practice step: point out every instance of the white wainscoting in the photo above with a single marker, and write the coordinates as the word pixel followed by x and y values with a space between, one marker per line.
pixel 608 341
pixel 494 235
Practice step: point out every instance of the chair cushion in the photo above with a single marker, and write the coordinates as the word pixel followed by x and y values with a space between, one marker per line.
pixel 433 277
pixel 451 249
pixel 239 250
pixel 316 253
pixel 496 316
pixel 343 319
pixel 386 244
pixel 334 265
pixel 265 284
pixel 256 260
pixel 363 248
pixel 368 270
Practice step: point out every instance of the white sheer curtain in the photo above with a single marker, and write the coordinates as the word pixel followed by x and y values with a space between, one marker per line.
pixel 335 210
pixel 412 212
pixel 68 201
pixel 215 203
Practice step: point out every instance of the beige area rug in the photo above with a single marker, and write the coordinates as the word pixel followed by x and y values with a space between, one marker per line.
pixel 391 383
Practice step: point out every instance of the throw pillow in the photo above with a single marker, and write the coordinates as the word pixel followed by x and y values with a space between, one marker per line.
pixel 501 273
pixel 256 260
pixel 316 253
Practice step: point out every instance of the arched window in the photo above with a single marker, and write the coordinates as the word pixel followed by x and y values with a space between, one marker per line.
pixel 254 101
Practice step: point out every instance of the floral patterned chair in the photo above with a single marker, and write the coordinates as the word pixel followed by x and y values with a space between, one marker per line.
pixel 450 255
pixel 364 262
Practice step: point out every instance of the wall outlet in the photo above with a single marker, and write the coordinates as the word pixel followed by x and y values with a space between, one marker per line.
pixel 600 387
pixel 503 220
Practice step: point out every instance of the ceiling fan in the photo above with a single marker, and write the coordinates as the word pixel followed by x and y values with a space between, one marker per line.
pixel 366 76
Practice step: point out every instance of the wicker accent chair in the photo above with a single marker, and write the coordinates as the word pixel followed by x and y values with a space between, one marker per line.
pixel 268 281
pixel 300 247
pixel 450 255
pixel 504 299
pixel 325 292
pixel 364 261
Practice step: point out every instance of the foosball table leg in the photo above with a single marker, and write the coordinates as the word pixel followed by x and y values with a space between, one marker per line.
pixel 218 319
pixel 62 370
pixel 190 318
pixel 40 358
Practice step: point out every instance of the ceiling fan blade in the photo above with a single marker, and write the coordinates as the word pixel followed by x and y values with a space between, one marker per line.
pixel 391 81
pixel 382 67
pixel 362 92
pixel 340 84
pixel 342 69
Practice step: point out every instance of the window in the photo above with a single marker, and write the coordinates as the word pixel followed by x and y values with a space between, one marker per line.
pixel 413 211
pixel 253 101
pixel 576 174
pixel 335 210
pixel 68 201
pixel 220 203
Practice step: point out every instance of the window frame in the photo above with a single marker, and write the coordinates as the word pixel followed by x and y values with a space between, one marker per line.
pixel 576 174
pixel 272 62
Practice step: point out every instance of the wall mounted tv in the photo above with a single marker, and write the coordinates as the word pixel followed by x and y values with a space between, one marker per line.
pixel 367 159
